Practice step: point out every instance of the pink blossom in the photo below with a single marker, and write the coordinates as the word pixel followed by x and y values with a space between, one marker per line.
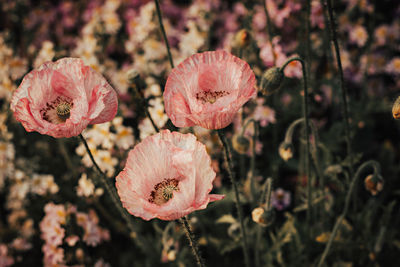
pixel 61 98
pixel 93 233
pixel 207 89
pixel 264 114
pixel 167 176
pixel 358 35
pixel 279 15
pixel 317 14
pixel 5 259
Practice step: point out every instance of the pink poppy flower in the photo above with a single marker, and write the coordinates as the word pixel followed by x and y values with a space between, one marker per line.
pixel 207 89
pixel 167 176
pixel 61 98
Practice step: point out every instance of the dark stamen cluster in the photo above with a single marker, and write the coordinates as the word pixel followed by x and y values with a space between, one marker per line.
pixel 210 96
pixel 61 106
pixel 163 191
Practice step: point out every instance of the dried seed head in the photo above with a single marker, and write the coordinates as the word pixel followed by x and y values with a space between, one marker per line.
pixel 286 151
pixel 240 143
pixel 271 80
pixel 396 109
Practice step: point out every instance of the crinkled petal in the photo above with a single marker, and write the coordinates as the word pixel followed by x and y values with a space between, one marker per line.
pixel 91 98
pixel 216 71
pixel 166 155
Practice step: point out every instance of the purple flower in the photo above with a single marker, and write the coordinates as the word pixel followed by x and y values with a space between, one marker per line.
pixel 280 199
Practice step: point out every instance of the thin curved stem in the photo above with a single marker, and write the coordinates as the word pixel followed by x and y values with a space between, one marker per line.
pixel 332 28
pixel 192 242
pixel 159 15
pixel 314 152
pixel 111 191
pixel 290 130
pixel 229 166
pixel 307 134
pixel 376 168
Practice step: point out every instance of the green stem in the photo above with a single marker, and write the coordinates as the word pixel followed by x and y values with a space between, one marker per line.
pixel 307 135
pixel 308 41
pixel 192 242
pixel 229 166
pixel 265 197
pixel 111 191
pixel 253 155
pixel 171 62
pixel 332 28
pixel 269 29
pixel 290 130
pixel 376 168
pixel 144 103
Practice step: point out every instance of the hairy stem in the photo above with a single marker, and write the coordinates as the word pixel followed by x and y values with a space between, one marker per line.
pixel 265 197
pixel 253 156
pixel 269 29
pixel 159 15
pixel 192 241
pixel 376 168
pixel 229 166
pixel 110 190
pixel 143 102
pixel 332 28
pixel 307 135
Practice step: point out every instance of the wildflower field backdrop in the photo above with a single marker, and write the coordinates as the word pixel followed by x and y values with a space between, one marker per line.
pixel 199 133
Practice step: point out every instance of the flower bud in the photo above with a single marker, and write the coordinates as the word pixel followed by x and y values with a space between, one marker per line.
pixel 242 38
pixel 286 151
pixel 262 216
pixel 132 74
pixel 396 109
pixel 373 184
pixel 271 80
pixel 240 143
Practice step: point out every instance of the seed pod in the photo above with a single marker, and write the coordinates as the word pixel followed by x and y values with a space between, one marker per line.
pixel 133 75
pixel 271 80
pixel 240 143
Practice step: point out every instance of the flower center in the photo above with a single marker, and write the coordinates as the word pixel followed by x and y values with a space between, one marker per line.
pixel 210 96
pixel 58 110
pixel 163 191
pixel 63 110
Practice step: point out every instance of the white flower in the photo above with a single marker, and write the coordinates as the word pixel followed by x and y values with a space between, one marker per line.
pixel 156 110
pixel 43 184
pixel 85 186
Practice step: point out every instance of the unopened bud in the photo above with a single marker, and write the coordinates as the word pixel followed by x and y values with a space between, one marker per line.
pixel 396 109
pixel 271 80
pixel 242 38
pixel 240 143
pixel 133 74
pixel 373 184
pixel 286 151
pixel 262 216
